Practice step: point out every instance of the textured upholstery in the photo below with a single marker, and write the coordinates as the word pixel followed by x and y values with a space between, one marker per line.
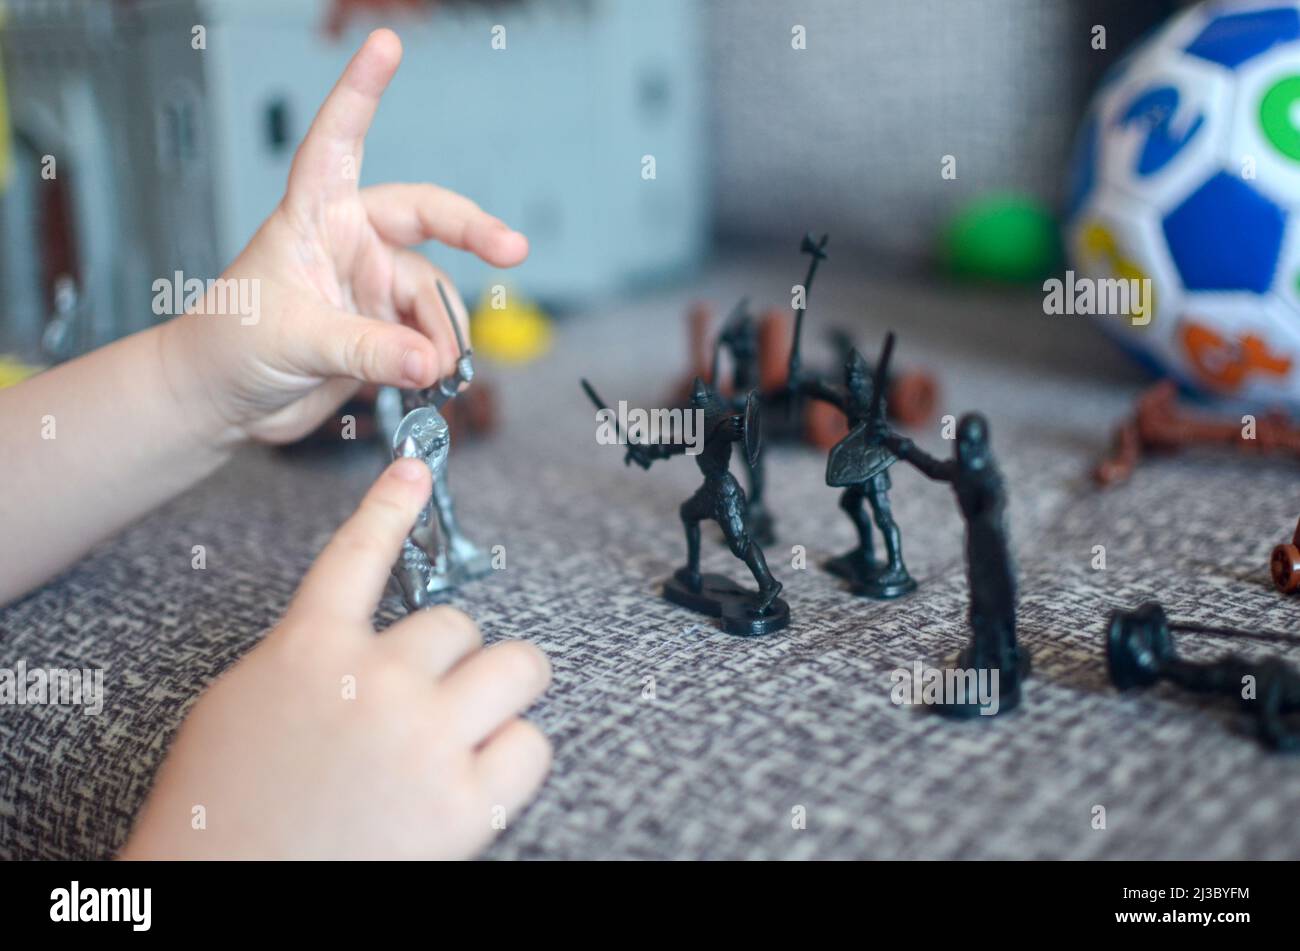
pixel 740 733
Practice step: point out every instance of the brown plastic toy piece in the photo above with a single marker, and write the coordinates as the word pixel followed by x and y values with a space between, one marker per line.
pixel 1284 565
pixel 823 424
pixel 700 321
pixel 699 324
pixel 912 397
pixel 473 413
pixel 773 349
pixel 1123 459
pixel 1160 424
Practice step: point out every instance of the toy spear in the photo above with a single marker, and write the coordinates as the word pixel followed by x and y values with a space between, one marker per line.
pixel 817 250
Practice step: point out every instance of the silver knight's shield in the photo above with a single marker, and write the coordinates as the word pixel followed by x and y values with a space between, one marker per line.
pixel 753 428
pixel 428 431
pixel 857 458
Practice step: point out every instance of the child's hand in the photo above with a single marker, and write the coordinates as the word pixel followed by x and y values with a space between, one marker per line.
pixel 335 299
pixel 340 298
pixel 329 741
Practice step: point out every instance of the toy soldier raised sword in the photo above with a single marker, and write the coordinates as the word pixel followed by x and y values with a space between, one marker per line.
pixel 437 557
pixel 722 500
pixel 859 464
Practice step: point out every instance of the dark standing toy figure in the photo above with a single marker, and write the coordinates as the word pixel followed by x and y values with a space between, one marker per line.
pixel 990 571
pixel 437 557
pixel 1140 652
pixel 722 500
pixel 859 464
pixel 739 338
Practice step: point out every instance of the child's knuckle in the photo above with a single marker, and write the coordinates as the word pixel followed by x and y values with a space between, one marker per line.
pixel 524 664
pixel 362 353
pixel 456 622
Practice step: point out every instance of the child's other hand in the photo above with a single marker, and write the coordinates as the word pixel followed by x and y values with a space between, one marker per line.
pixel 340 298
pixel 329 741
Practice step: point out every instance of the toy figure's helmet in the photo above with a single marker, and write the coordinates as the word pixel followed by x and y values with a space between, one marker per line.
pixel 973 441
pixel 703 397
pixel 858 379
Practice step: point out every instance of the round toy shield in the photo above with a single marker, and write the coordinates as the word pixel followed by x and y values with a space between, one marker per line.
pixel 423 433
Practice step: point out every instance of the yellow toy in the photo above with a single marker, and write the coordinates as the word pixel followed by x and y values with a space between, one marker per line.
pixel 14 371
pixel 508 327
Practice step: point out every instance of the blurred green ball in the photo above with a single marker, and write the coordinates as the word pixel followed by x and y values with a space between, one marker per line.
pixel 1010 238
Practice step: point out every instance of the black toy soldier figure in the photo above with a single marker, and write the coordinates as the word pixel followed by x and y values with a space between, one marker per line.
pixel 1140 652
pixel 860 463
pixel 739 337
pixel 722 500
pixel 990 571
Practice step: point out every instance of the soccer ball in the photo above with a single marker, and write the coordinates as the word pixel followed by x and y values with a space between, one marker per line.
pixel 1186 175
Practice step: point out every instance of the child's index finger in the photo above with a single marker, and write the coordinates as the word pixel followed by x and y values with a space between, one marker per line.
pixel 349 576
pixel 329 159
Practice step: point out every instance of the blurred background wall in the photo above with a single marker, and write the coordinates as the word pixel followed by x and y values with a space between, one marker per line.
pixel 849 133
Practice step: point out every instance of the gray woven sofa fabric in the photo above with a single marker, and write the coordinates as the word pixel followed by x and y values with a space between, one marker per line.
pixel 741 737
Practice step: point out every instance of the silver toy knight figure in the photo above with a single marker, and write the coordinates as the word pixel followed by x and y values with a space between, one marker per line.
pixel 434 558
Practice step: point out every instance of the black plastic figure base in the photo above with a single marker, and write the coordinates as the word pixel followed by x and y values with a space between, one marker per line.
pixel 738 608
pixel 1008 692
pixel 870 579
